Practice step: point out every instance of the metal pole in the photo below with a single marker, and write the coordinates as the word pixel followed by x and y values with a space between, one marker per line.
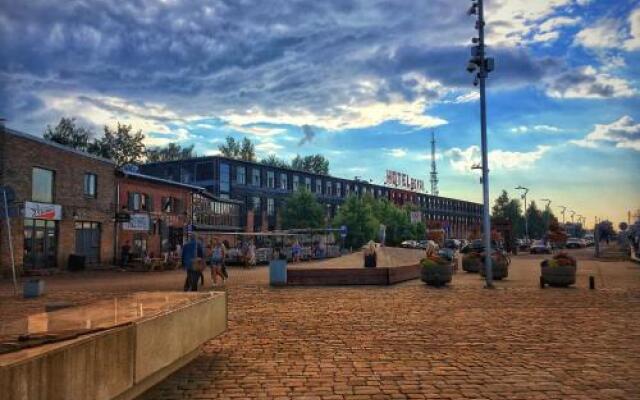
pixel 13 263
pixel 526 220
pixel 485 159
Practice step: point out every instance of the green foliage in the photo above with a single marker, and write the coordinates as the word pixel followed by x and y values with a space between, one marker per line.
pixel 302 210
pixel 396 220
pixel 535 220
pixel 315 163
pixel 471 259
pixel 357 214
pixel 120 145
pixel 419 231
pixel 247 150
pixel 510 210
pixel 171 152
pixel 434 261
pixel 240 150
pixel 274 161
pixel 67 133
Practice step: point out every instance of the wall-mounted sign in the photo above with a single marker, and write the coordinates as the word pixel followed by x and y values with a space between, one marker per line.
pixel 403 181
pixel 52 212
pixel 123 216
pixel 138 222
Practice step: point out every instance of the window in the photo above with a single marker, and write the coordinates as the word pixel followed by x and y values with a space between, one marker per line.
pixel 347 189
pixel 283 181
pixel 170 205
pixel 255 177
pixel 307 183
pixel 256 204
pixel 241 175
pixel 224 177
pixel 296 182
pixel 139 202
pixel 338 189
pixel 42 185
pixel 271 209
pixel 90 185
pixel 271 180
pixel 328 191
pixel 318 186
pixel 186 174
pixel 204 172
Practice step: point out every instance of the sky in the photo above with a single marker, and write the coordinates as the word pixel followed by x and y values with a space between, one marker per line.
pixel 363 82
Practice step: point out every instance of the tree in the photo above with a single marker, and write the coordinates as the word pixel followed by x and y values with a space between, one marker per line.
pixel 357 215
pixel 67 133
pixel 396 219
pixel 171 152
pixel 120 145
pixel 509 210
pixel 535 221
pixel 247 150
pixel 231 148
pixel 314 163
pixel 302 210
pixel 274 161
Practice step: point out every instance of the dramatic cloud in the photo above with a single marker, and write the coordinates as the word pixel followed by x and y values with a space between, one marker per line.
pixel 308 133
pixel 462 160
pixel 587 82
pixel 612 33
pixel 536 128
pixel 624 133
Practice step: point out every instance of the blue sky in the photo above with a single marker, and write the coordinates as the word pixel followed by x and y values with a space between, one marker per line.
pixel 369 79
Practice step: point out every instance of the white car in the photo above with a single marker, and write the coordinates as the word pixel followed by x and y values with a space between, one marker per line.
pixel 540 247
pixel 575 243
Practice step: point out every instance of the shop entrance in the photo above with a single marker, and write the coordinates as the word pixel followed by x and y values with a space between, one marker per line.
pixel 40 243
pixel 88 241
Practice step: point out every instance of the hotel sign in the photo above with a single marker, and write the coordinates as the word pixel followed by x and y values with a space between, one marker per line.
pixel 51 212
pixel 138 222
pixel 403 181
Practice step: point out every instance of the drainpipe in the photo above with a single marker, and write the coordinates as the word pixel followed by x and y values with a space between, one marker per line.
pixel 116 226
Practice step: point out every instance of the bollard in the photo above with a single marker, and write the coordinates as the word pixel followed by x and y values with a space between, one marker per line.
pixel 592 282
pixel 541 282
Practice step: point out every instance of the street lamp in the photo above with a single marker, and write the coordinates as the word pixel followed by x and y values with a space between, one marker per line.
pixel 562 212
pixel 524 196
pixel 547 208
pixel 483 66
pixel 573 213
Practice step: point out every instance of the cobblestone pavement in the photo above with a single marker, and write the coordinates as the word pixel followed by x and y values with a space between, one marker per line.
pixel 405 341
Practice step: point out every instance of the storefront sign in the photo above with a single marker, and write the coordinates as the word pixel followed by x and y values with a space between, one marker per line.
pixel 138 222
pixel 51 212
pixel 403 181
pixel 123 217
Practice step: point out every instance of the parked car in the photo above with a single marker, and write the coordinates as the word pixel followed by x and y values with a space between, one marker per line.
pixel 523 244
pixel 409 244
pixel 540 247
pixel 589 240
pixel 463 242
pixel 452 244
pixel 575 243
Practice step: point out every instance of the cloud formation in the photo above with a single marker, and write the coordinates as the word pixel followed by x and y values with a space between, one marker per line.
pixel 462 160
pixel 623 133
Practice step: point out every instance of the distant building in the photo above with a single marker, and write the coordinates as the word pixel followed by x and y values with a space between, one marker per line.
pixel 262 189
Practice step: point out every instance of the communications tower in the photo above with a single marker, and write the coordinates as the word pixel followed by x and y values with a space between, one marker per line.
pixel 434 169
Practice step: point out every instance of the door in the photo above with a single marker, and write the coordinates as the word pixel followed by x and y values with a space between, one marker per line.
pixel 88 241
pixel 40 243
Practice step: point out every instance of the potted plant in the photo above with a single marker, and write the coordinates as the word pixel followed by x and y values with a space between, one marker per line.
pixel 436 270
pixel 471 262
pixel 499 266
pixel 559 271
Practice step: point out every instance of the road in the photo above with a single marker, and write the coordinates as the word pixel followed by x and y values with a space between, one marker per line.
pixel 404 341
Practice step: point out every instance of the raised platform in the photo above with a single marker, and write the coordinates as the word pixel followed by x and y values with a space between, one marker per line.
pixel 112 349
pixel 352 276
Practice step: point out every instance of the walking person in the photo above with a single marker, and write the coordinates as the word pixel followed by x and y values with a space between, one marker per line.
pixel 125 252
pixel 217 260
pixel 192 255
pixel 296 251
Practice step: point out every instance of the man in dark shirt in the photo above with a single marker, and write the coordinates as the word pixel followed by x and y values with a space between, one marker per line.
pixel 124 254
pixel 192 253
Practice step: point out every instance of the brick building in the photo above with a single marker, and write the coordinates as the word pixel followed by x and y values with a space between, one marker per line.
pixel 64 203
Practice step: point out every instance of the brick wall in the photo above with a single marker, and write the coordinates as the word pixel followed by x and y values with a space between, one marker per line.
pixel 20 154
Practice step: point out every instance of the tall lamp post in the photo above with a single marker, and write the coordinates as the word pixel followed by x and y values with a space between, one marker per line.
pixel 524 196
pixel 573 214
pixel 483 66
pixel 547 208
pixel 564 209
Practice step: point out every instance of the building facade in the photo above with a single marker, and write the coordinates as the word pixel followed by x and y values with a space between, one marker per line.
pixel 261 190
pixel 63 204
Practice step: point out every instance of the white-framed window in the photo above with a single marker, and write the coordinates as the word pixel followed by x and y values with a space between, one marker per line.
pixel 90 185
pixel 271 180
pixel 241 175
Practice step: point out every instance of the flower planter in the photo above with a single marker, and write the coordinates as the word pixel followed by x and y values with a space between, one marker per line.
pixel 499 270
pixel 436 274
pixel 558 275
pixel 471 264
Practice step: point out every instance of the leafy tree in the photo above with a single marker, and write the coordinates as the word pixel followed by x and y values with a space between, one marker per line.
pixel 510 210
pixel 171 152
pixel 302 210
pixel 314 163
pixel 247 150
pixel 535 221
pixel 420 231
pixel 274 161
pixel 120 145
pixel 231 148
pixel 69 134
pixel 396 220
pixel 357 214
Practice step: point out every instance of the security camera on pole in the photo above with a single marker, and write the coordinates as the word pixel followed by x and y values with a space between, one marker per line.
pixel 483 65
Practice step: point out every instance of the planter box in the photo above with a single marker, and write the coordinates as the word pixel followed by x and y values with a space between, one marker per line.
pixel 436 275
pixel 561 276
pixel 500 271
pixel 472 267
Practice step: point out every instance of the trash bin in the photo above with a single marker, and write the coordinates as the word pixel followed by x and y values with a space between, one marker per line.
pixel 76 262
pixel 33 288
pixel 278 272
